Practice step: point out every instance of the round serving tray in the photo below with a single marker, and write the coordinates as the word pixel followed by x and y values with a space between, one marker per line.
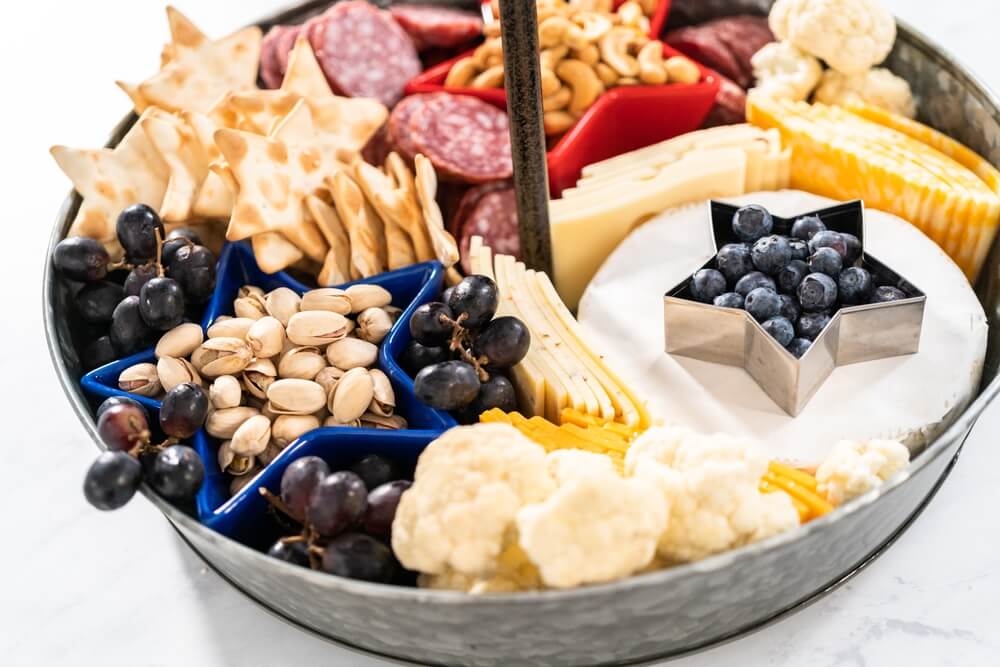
pixel 662 614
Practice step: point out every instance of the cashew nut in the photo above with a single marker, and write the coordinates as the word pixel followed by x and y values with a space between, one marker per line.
pixel 489 78
pixel 606 74
pixel 461 73
pixel 593 24
pixel 560 30
pixel 558 100
pixel 550 82
pixel 589 54
pixel 604 6
pixel 489 49
pixel 491 29
pixel 682 70
pixel 614 51
pixel 631 14
pixel 581 78
pixel 628 81
pixel 557 122
pixel 651 69
pixel 549 58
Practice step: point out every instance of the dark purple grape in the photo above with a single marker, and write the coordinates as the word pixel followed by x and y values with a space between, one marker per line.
pixel 706 284
pixel 109 403
pixel 752 281
pixel 817 292
pixel 477 298
pixel 129 332
pixel 97 353
pixel 337 503
pixel 855 286
pixel 446 295
pixel 169 249
pixel 82 259
pixel 382 504
pixel 137 229
pixel 177 473
pixel 504 342
pixel 430 324
pixel 752 222
pixel 497 392
pixel 123 426
pixel 806 227
pixel 185 233
pixel 184 410
pixel 298 481
pixel 828 239
pixel 138 277
pixel 194 268
pixel 416 357
pixel 375 470
pixel 96 301
pixel 112 480
pixel 296 553
pixel 771 254
pixel 799 346
pixel 358 556
pixel 733 260
pixel 886 294
pixel 161 303
pixel 449 385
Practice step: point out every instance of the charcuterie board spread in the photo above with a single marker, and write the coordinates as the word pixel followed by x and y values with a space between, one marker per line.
pixel 302 313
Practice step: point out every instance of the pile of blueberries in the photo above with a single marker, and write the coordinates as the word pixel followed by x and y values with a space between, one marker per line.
pixel 791 284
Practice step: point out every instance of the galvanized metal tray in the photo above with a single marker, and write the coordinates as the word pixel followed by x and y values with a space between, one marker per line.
pixel 653 616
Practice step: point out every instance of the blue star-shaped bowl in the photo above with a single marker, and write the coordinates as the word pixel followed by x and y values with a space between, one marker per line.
pixel 410 288
pixel 855 333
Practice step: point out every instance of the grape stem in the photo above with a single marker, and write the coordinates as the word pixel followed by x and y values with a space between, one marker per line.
pixel 276 502
pixel 159 252
pixel 461 342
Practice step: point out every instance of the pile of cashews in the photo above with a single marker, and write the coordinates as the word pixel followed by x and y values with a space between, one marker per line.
pixel 586 48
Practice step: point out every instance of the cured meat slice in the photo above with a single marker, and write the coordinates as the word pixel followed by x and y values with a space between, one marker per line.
pixel 270 69
pixel 378 147
pixel 468 203
pixel 466 139
pixel 285 44
pixel 707 47
pixel 730 105
pixel 397 128
pixel 364 52
pixel 725 44
pixel 431 26
pixel 494 218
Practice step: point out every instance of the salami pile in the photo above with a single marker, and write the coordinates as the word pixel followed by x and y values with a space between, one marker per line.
pixel 489 211
pixel 437 27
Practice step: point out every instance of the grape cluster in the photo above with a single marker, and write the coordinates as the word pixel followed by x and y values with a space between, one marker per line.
pixel 170 276
pixel 346 517
pixel 792 285
pixel 174 471
pixel 460 351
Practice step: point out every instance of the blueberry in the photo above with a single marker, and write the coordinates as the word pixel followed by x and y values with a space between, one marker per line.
pixel 887 294
pixel 752 281
pixel 799 346
pixel 810 325
pixel 805 227
pixel 771 254
pixel 855 285
pixel 752 222
pixel 853 248
pixel 826 260
pixel 818 291
pixel 763 303
pixel 707 284
pixel 780 329
pixel 828 239
pixel 800 249
pixel 790 308
pixel 734 261
pixel 790 276
pixel 729 300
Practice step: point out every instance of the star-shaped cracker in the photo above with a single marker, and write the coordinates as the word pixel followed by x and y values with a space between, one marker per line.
pixel 186 157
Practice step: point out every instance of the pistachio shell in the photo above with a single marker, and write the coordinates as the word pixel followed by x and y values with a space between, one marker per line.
pixel 173 372
pixel 140 379
pixel 366 296
pixel 266 337
pixel 241 482
pixel 393 312
pixel 295 397
pixel 258 376
pixel 386 422
pixel 282 303
pixel 223 318
pixel 225 392
pixel 251 291
pixel 233 463
pixel 304 363
pixel 384 399
pixel 231 327
pixel 316 327
pixel 326 298
pixel 331 422
pixel 249 307
pixel 328 378
pixel 352 396
pixel 287 428
pixel 373 325
pixel 180 341
pixel 221 356
pixel 272 451
pixel 222 424
pixel 252 436
pixel 349 353
pixel 225 454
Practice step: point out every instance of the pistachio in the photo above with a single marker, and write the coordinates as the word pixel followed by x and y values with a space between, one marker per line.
pixel 393 312
pixel 251 291
pixel 180 341
pixel 384 398
pixel 282 303
pixel 326 298
pixel 140 379
pixel 265 409
pixel 222 424
pixel 316 327
pixel 231 327
pixel 304 363
pixel 266 337
pixel 233 463
pixel 295 397
pixel 365 296
pixel 328 378
pixel 374 325
pixel 352 396
pixel 221 356
pixel 331 422
pixel 225 392
pixel 249 307
pixel 258 376
pixel 225 454
pixel 269 454
pixel 241 482
pixel 223 318
pixel 386 422
pixel 252 436
pixel 349 353
pixel 287 428
pixel 173 372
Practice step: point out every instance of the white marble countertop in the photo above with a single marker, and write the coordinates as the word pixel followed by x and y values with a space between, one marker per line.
pixel 82 588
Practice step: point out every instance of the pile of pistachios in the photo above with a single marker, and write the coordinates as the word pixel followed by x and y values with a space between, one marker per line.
pixel 284 365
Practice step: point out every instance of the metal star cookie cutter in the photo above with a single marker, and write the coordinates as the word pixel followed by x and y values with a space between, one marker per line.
pixel 855 333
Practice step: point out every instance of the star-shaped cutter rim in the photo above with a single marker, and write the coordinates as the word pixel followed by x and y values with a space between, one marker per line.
pixel 411 287
pixel 854 334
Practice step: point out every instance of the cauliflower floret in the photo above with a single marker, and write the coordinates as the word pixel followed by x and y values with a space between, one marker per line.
pixel 468 487
pixel 853 469
pixel 596 527
pixel 878 87
pixel 514 572
pixel 784 72
pixel 710 484
pixel 852 36
pixel 565 464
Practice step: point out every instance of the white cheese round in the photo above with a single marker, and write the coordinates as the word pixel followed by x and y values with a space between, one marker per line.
pixel 910 397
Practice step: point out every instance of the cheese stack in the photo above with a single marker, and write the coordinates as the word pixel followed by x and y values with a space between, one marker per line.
pixel 560 370
pixel 616 195
pixel 895 165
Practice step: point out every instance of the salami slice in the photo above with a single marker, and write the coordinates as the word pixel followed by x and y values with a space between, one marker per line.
pixel 730 105
pixel 285 45
pixel 706 46
pixel 468 204
pixel 364 52
pixel 495 219
pixel 743 36
pixel 466 139
pixel 378 147
pixel 270 69
pixel 397 127
pixel 431 26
